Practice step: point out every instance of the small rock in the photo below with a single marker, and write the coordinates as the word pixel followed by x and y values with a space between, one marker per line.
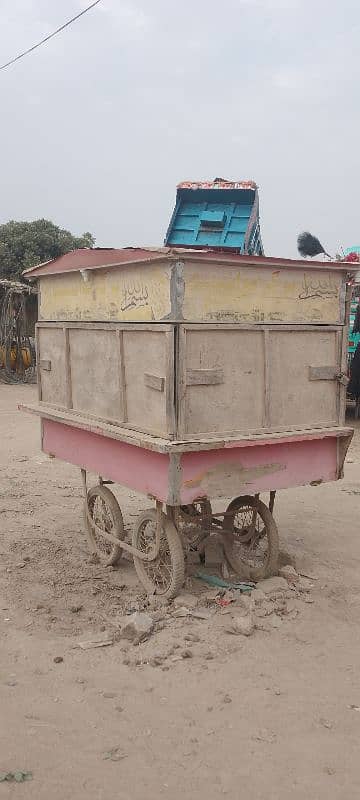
pixel 246 603
pixel 280 606
pixel 227 699
pixel 109 695
pixel 120 709
pixel 265 609
pixel 330 770
pixel 58 660
pixel 185 600
pixel 289 573
pixel 75 609
pixel 271 585
pixel 243 626
pixel 275 621
pixel 187 654
pixel 258 596
pixel 201 613
pixel 156 661
pixel 325 723
pixel 138 627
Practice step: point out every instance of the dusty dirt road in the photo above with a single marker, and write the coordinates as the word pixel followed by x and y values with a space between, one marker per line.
pixel 273 716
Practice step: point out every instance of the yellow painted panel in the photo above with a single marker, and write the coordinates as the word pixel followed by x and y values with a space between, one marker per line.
pixel 210 293
pixel 255 294
pixel 128 294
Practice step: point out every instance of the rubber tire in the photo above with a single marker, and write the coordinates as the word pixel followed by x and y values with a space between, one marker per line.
pixel 240 567
pixel 109 498
pixel 176 555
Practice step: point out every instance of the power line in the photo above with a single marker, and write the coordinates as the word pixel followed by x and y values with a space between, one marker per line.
pixel 51 35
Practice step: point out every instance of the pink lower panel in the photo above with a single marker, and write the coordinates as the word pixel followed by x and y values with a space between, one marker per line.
pixel 139 469
pixel 248 470
pixel 180 479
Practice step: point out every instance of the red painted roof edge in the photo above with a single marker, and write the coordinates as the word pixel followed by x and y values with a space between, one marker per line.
pixel 142 255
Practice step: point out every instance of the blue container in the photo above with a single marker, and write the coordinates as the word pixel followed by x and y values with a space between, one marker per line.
pixel 218 215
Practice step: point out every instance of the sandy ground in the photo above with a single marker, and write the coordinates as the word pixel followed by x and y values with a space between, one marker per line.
pixel 275 715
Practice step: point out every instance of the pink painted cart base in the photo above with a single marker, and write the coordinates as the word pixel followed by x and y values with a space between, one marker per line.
pixel 179 478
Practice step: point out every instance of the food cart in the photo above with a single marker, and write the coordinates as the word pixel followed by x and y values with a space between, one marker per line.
pixel 190 374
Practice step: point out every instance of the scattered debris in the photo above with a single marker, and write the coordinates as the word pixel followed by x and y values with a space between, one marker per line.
pixel 114 754
pixel 271 585
pixel 201 613
pixel 213 580
pixel 258 596
pixel 100 641
pixel 286 559
pixel 19 776
pixel 185 600
pixel 157 603
pixel 269 737
pixel 246 603
pixel 192 637
pixel 289 573
pixel 181 612
pixel 325 723
pixel 138 627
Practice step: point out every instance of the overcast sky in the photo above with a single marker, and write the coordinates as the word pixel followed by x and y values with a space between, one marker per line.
pixel 100 124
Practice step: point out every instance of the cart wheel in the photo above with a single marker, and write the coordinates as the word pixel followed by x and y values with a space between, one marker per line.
pixel 164 575
pixel 194 522
pixel 104 509
pixel 251 540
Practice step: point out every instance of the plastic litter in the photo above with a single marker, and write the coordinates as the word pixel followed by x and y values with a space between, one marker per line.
pixel 213 580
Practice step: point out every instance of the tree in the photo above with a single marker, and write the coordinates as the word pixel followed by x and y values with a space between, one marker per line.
pixel 25 244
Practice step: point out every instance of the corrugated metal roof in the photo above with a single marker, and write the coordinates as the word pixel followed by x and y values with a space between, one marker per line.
pixel 107 258
pixel 95 258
